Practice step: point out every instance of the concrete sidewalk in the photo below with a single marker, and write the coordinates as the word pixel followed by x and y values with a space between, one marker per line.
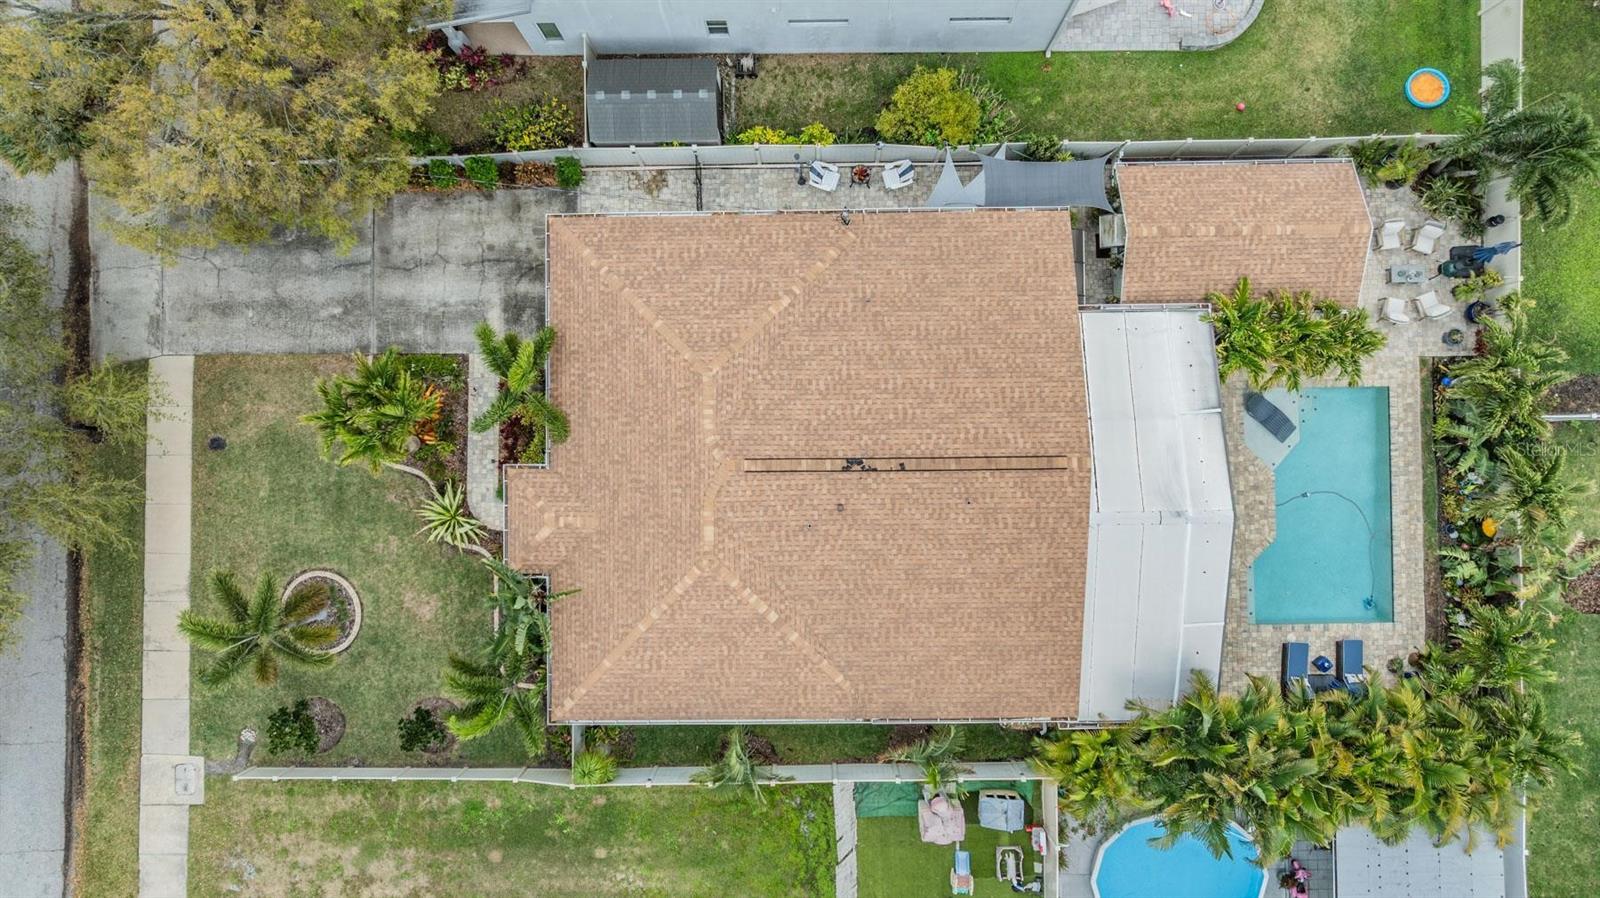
pixel 169 780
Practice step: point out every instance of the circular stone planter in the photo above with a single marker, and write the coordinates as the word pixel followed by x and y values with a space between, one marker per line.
pixel 330 722
pixel 341 587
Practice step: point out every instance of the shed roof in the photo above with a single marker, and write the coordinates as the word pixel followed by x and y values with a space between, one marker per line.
pixel 1416 868
pixel 817 471
pixel 1198 227
pixel 650 101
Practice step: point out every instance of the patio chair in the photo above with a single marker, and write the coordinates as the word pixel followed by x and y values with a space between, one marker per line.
pixel 1429 306
pixel 1393 311
pixel 1269 416
pixel 1389 234
pixel 1348 657
pixel 898 174
pixel 961 874
pixel 1296 665
pixel 1427 235
pixel 824 176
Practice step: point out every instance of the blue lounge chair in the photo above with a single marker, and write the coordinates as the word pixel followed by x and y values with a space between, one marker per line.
pixel 961 874
pixel 1352 671
pixel 1268 416
pixel 1296 664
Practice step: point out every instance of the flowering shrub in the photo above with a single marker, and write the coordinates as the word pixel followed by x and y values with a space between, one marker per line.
pixel 815 133
pixel 534 126
pixel 471 69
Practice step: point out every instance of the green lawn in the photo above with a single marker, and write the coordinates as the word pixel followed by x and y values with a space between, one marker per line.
pixel 892 861
pixel 1559 265
pixel 112 621
pixel 1562 826
pixel 269 503
pixel 813 744
pixel 498 840
pixel 1305 68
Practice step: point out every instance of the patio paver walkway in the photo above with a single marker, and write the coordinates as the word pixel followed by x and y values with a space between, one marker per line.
pixel 1143 25
pixel 164 729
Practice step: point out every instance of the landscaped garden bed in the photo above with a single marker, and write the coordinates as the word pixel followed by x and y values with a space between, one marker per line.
pixel 696 746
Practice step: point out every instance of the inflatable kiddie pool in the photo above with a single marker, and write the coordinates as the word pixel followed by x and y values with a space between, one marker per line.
pixel 1427 88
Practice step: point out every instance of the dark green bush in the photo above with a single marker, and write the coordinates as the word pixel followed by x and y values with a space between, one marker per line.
pixel 569 171
pixel 421 731
pixel 483 172
pixel 442 174
pixel 1044 148
pixel 291 729
pixel 425 142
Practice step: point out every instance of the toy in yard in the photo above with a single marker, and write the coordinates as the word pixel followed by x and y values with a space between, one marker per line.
pixel 1427 88
pixel 961 874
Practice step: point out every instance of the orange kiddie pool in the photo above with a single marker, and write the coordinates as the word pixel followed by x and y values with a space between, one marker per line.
pixel 1427 88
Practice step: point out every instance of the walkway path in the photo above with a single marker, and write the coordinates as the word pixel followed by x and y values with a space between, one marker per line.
pixel 1501 38
pixel 483 449
pixel 844 834
pixel 169 778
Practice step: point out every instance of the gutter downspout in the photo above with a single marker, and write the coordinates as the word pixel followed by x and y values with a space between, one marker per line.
pixel 1060 27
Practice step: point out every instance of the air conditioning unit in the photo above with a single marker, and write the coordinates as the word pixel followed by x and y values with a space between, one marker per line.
pixel 745 67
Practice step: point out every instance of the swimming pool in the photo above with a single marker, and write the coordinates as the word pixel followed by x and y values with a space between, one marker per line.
pixel 1128 866
pixel 1332 560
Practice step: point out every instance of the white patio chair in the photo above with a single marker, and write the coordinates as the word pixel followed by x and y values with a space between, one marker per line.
pixel 898 174
pixel 1429 306
pixel 1389 234
pixel 1427 235
pixel 824 176
pixel 1393 311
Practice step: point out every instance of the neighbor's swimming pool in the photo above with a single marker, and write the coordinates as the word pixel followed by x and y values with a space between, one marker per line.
pixel 1128 866
pixel 1332 560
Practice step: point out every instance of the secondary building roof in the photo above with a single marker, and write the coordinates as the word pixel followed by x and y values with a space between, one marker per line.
pixel 818 471
pixel 1416 868
pixel 643 102
pixel 1194 228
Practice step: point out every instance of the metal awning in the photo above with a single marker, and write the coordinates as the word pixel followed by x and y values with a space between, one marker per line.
pixel 642 102
pixel 1010 183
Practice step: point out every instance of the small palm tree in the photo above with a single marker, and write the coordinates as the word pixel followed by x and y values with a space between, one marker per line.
pixel 1243 332
pixel 374 414
pixel 261 630
pixel 492 693
pixel 936 755
pixel 520 366
pixel 737 770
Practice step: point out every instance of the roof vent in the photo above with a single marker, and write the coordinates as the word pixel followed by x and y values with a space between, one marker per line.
pixel 677 93
pixel 704 94
pixel 650 95
pixel 626 94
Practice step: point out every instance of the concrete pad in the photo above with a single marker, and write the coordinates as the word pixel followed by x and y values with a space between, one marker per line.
pixel 297 295
pixel 447 261
pixel 166 674
pixel 33 872
pixel 166 574
pixel 169 436
pixel 172 780
pixel 125 293
pixel 164 726
pixel 166 524
pixel 163 875
pixel 171 483
pixel 161 626
pixel 164 828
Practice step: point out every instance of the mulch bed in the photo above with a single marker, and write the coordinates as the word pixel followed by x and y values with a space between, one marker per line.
pixel 1583 594
pixel 1576 396
pixel 453 424
pixel 329 720
pixel 761 749
pixel 905 734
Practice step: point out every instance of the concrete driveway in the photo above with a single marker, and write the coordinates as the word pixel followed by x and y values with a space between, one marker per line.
pixel 423 273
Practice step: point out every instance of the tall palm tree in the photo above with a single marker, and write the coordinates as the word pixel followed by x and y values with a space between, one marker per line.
pixel 737 770
pixel 936 756
pixel 374 414
pixel 520 366
pixel 1534 490
pixel 1503 647
pixel 261 630
pixel 492 693
pixel 1099 772
pixel 1243 332
pixel 1547 148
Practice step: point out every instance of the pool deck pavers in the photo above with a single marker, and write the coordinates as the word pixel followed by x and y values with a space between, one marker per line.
pixel 1250 648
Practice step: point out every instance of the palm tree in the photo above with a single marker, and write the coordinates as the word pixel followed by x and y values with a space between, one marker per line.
pixel 1243 332
pixel 524 611
pixel 1547 148
pixel 936 755
pixel 737 770
pixel 1098 771
pixel 1503 647
pixel 492 693
pixel 1534 490
pixel 375 414
pixel 261 630
pixel 520 366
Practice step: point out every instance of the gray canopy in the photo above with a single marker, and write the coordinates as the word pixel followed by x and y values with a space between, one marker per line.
pixel 1009 182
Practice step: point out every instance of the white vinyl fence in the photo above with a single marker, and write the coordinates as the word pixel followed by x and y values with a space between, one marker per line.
pixel 730 155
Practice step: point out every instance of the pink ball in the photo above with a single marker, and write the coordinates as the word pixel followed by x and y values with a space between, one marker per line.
pixel 1239 106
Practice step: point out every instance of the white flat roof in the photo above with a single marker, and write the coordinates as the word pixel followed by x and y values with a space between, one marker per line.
pixel 1161 512
pixel 1416 868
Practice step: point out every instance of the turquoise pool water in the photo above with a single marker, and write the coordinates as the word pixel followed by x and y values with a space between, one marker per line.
pixel 1332 560
pixel 1130 867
